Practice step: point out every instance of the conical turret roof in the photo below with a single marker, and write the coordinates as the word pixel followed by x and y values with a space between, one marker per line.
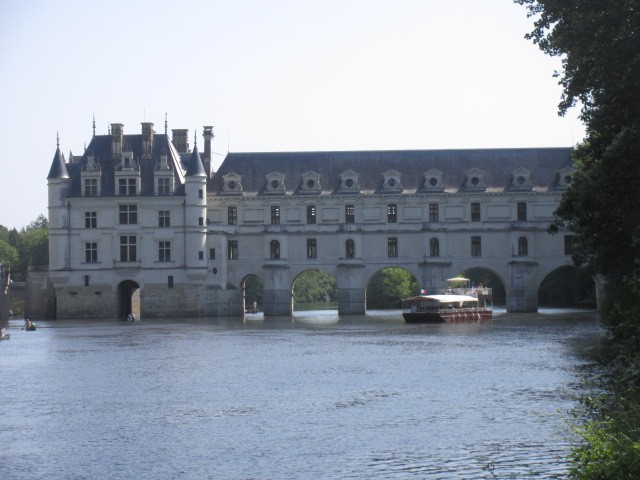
pixel 58 166
pixel 195 168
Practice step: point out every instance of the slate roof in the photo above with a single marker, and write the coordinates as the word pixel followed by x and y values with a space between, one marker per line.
pixel 195 168
pixel 498 166
pixel 58 167
pixel 100 148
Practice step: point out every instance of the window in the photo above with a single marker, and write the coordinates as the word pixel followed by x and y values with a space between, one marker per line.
pixel 523 246
pixel 90 187
pixel 349 214
pixel 392 213
pixel 128 214
pixel 127 186
pixel 164 186
pixel 86 280
pixel 232 215
pixel 200 255
pixel 312 248
pixel 128 248
pixel 164 218
pixel 433 212
pixel 90 220
pixel 170 281
pixel 311 214
pixel 164 251
pixel 201 221
pixel 568 244
pixel 274 249
pixel 522 211
pixel 200 193
pixel 91 252
pixel 392 247
pixel 232 251
pixel 275 214
pixel 434 247
pixel 350 249
pixel 475 212
pixel 476 247
pixel 212 254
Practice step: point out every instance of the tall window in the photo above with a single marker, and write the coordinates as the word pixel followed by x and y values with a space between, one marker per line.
pixel 274 249
pixel 232 250
pixel 170 281
pixel 568 244
pixel 434 247
pixel 91 252
pixel 475 212
pixel 128 248
pixel 523 246
pixel 127 186
pixel 164 251
pixel 476 247
pixel 349 214
pixel 311 248
pixel 90 187
pixel 392 213
pixel 392 247
pixel 232 215
pixel 128 214
pixel 275 214
pixel 90 219
pixel 212 254
pixel 522 211
pixel 311 214
pixel 433 212
pixel 350 249
pixel 164 218
pixel 164 186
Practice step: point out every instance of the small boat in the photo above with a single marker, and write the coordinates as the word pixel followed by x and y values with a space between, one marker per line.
pixel 5 336
pixel 30 328
pixel 450 304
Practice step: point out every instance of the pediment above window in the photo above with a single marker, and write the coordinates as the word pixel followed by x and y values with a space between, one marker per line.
pixel 275 183
pixel 232 183
pixel 474 179
pixel 433 180
pixel 349 182
pixel 391 181
pixel 310 182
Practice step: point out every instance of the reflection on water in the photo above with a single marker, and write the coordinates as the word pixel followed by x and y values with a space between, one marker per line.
pixel 313 396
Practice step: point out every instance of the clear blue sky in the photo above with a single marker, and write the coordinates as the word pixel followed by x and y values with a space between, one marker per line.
pixel 270 76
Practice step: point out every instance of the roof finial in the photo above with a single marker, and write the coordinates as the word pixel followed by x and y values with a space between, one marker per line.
pixel 195 138
pixel 165 123
pixel 94 124
pixel 108 128
pixel 57 139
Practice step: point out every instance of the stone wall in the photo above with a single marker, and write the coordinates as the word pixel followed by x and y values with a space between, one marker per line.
pixel 40 297
pixel 95 301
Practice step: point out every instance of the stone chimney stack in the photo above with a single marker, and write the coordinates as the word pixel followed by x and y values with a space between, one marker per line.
pixel 207 156
pixel 180 139
pixel 117 134
pixel 147 138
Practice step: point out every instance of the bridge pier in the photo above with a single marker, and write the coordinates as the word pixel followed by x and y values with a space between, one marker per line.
pixel 351 290
pixel 276 293
pixel 522 291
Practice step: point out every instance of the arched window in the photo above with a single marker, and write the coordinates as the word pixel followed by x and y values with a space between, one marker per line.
pixel 274 248
pixel 434 247
pixel 350 249
pixel 523 246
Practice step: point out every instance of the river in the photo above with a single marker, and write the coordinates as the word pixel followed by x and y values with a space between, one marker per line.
pixel 313 397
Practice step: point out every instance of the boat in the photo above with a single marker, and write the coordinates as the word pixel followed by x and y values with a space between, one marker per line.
pixel 450 304
pixel 30 327
pixel 5 336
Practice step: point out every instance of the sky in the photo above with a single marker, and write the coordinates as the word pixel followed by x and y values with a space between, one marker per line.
pixel 277 75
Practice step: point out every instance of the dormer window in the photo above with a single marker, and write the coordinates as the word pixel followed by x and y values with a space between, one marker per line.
pixel 564 177
pixel 433 180
pixel 521 179
pixel 391 181
pixel 275 183
pixel 310 183
pixel 349 182
pixel 127 186
pixel 232 183
pixel 475 179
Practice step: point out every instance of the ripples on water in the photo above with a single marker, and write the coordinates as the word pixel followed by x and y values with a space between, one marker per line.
pixel 316 397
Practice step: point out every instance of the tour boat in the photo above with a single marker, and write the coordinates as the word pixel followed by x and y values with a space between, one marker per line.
pixel 450 304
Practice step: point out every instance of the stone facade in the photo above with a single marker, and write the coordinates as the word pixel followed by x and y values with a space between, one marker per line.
pixel 140 223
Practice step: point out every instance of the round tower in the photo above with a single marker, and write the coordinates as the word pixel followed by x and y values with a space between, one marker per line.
pixel 196 211
pixel 58 186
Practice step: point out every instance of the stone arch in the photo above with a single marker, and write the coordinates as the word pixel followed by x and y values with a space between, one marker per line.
pixel 327 292
pixel 387 293
pixel 252 291
pixel 491 279
pixel 567 286
pixel 128 299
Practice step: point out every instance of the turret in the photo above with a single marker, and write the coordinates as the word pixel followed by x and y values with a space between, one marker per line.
pixel 58 187
pixel 196 210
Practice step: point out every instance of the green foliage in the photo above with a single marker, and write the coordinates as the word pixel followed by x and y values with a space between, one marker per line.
pixel 29 246
pixel 315 286
pixel 8 254
pixel 253 291
pixel 389 286
pixel 33 246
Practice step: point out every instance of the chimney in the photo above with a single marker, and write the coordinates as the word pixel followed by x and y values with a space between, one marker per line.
pixel 180 139
pixel 147 138
pixel 116 138
pixel 207 157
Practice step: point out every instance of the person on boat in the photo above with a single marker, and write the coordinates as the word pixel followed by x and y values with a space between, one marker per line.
pixel 28 324
pixel 255 307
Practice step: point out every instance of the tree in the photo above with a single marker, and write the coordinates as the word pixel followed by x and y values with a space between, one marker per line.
pixel 389 286
pixel 8 254
pixel 315 286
